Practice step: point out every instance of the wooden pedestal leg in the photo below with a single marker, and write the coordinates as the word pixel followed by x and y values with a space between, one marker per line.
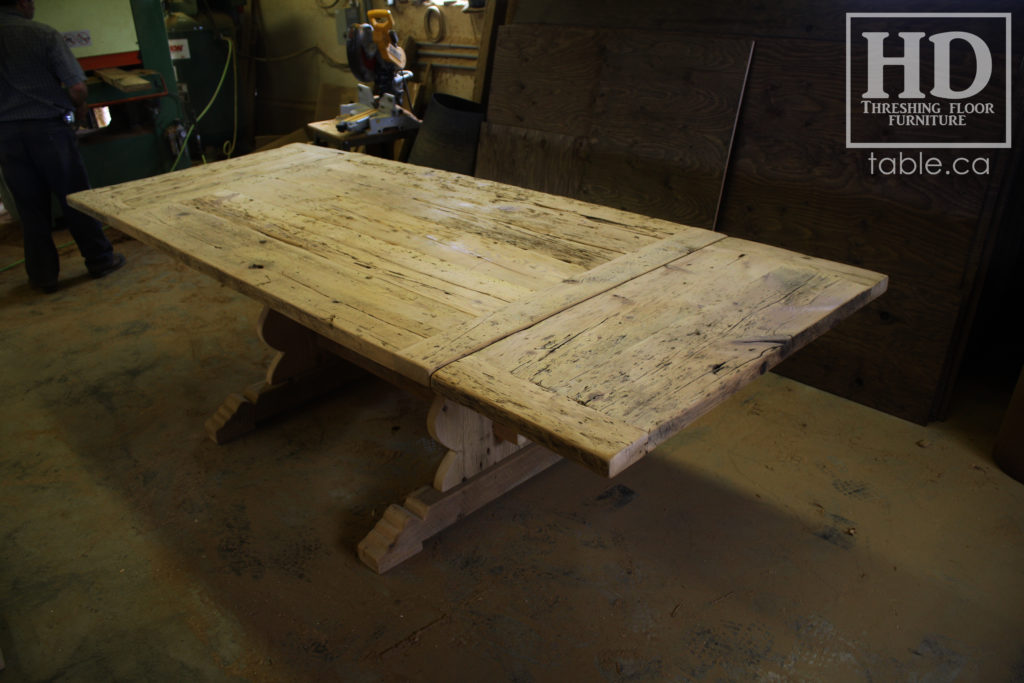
pixel 480 467
pixel 300 372
pixel 472 439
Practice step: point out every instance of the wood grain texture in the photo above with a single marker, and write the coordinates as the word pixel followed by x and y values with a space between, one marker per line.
pixel 793 184
pixel 534 159
pixel 583 434
pixel 595 332
pixel 425 358
pixel 791 181
pixel 472 442
pixel 607 380
pixel 373 255
pixel 654 187
pixel 545 79
pixel 808 19
pixel 650 133
pixel 668 96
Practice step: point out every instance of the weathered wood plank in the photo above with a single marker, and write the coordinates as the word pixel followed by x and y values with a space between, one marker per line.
pixel 733 315
pixel 794 185
pixel 426 357
pixel 630 328
pixel 572 430
pixel 443 278
pixel 273 273
pixel 662 349
pixel 792 182
pixel 512 215
pixel 378 256
pixel 125 81
pixel 196 180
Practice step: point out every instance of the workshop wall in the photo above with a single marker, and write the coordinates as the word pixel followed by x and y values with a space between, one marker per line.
pixel 554 125
pixel 289 89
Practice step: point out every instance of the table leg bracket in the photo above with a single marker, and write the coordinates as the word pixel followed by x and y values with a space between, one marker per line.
pixel 401 531
pixel 242 413
pixel 300 372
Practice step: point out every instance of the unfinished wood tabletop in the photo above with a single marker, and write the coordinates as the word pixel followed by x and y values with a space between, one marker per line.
pixel 593 331
pixel 607 380
pixel 380 256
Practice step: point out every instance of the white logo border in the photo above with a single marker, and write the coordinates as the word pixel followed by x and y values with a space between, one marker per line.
pixel 1007 143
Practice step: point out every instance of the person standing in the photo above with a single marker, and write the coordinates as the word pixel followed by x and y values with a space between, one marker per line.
pixel 41 83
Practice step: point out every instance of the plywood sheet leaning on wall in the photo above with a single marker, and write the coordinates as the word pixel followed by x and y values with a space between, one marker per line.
pixel 640 121
pixel 792 183
pixel 789 181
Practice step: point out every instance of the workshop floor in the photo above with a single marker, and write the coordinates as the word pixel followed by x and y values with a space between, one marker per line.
pixel 789 535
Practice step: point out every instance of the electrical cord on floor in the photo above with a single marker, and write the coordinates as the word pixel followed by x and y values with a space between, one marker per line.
pixel 223 76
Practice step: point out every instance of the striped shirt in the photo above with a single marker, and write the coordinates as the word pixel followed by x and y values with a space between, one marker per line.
pixel 35 67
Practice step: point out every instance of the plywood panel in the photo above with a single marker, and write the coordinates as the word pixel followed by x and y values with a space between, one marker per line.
pixel 649 132
pixel 538 160
pixel 791 181
pixel 545 79
pixel 806 19
pixel 794 184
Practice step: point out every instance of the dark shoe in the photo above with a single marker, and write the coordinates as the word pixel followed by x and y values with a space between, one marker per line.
pixel 45 289
pixel 117 262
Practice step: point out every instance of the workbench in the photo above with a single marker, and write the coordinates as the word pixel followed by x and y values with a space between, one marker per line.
pixel 539 327
pixel 326 134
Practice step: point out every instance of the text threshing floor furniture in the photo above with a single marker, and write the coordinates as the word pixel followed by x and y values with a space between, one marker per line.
pixel 540 327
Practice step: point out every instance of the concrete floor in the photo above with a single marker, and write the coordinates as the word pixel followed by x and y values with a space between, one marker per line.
pixel 789 535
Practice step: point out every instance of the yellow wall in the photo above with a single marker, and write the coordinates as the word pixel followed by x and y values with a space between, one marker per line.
pixel 109 22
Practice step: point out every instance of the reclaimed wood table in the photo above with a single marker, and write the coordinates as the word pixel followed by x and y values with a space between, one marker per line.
pixel 540 327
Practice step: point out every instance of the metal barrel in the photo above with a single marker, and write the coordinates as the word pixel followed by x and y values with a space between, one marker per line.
pixel 448 137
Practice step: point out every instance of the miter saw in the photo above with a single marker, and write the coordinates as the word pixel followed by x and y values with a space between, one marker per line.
pixel 374 57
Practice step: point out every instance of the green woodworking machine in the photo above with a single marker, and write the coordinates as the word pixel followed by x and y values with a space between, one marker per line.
pixel 148 86
pixel 122 46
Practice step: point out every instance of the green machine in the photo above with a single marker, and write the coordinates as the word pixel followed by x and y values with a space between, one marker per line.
pixel 181 66
pixel 204 47
pixel 144 124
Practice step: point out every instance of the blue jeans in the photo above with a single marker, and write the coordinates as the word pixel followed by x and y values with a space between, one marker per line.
pixel 40 159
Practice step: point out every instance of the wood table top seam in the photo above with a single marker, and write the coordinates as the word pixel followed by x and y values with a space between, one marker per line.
pixel 561 309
